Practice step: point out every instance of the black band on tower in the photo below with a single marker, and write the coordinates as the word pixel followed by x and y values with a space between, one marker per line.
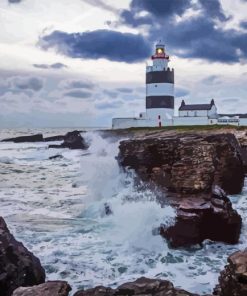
pixel 160 77
pixel 160 102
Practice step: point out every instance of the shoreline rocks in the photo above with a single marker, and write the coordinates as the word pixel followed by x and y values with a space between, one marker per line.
pixel 72 140
pixel 26 139
pixel 233 279
pixel 52 288
pixel 18 266
pixel 204 217
pixel 189 167
pixel 142 286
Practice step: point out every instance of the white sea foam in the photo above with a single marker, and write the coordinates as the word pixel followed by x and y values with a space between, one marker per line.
pixel 56 207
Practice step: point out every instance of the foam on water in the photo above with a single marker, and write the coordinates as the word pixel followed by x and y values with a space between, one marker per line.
pixel 56 207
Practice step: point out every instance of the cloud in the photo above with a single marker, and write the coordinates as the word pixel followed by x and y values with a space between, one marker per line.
pixel 80 94
pixel 181 92
pixel 71 84
pixel 56 66
pixel 109 105
pixel 212 79
pixel 27 83
pixel 203 35
pixel 14 1
pixel 214 9
pixel 110 93
pixel 107 44
pixel 125 90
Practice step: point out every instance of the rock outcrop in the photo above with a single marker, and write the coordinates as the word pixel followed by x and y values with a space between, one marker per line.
pixel 203 217
pixel 72 140
pixel 141 287
pixel 18 266
pixel 233 279
pixel 26 139
pixel 188 166
pixel 56 288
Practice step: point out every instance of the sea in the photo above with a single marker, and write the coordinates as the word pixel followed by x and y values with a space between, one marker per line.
pixel 56 207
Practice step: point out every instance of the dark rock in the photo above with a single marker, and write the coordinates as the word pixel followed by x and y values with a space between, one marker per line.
pixel 203 217
pixel 142 287
pixel 72 140
pixel 233 279
pixel 18 266
pixel 26 139
pixel 54 138
pixel 56 288
pixel 186 163
pixel 108 210
pixel 188 166
pixel 58 156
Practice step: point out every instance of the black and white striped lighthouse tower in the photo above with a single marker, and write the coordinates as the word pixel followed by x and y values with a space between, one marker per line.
pixel 159 87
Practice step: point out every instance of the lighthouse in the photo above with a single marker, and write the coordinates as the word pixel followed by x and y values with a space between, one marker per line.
pixel 160 88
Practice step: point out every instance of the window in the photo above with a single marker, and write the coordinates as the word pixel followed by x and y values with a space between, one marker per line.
pixel 195 113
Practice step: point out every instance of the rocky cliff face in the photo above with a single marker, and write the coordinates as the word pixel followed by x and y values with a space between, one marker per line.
pixel 233 279
pixel 18 266
pixel 141 287
pixel 189 166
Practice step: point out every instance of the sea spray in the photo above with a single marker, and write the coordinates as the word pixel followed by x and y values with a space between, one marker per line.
pixel 56 208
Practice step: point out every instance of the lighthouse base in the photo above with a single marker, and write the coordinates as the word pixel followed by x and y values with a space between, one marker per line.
pixel 135 122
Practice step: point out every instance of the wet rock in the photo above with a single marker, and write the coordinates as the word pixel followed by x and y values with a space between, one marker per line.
pixel 108 210
pixel 72 140
pixel 18 266
pixel 142 287
pixel 54 138
pixel 233 279
pixel 188 166
pixel 203 217
pixel 25 139
pixel 58 156
pixel 186 163
pixel 56 288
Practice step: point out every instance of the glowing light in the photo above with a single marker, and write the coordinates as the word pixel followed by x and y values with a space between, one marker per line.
pixel 160 51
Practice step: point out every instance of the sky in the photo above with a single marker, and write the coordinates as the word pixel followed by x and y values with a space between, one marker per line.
pixel 75 63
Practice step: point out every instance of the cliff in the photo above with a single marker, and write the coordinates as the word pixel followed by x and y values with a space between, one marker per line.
pixel 196 171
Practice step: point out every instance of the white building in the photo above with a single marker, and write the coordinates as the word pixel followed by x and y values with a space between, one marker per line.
pixel 196 114
pixel 160 102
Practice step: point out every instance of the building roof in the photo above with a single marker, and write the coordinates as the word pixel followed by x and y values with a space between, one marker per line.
pixel 195 107
pixel 234 115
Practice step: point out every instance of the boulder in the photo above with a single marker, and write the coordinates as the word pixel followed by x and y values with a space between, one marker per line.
pixel 56 288
pixel 233 279
pixel 25 139
pixel 142 287
pixel 72 140
pixel 18 266
pixel 203 217
pixel 195 171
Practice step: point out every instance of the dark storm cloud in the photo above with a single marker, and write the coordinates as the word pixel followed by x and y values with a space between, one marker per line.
pixel 194 37
pixel 111 45
pixel 161 8
pixel 214 9
pixel 56 66
pixel 27 83
pixel 243 24
pixel 80 94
